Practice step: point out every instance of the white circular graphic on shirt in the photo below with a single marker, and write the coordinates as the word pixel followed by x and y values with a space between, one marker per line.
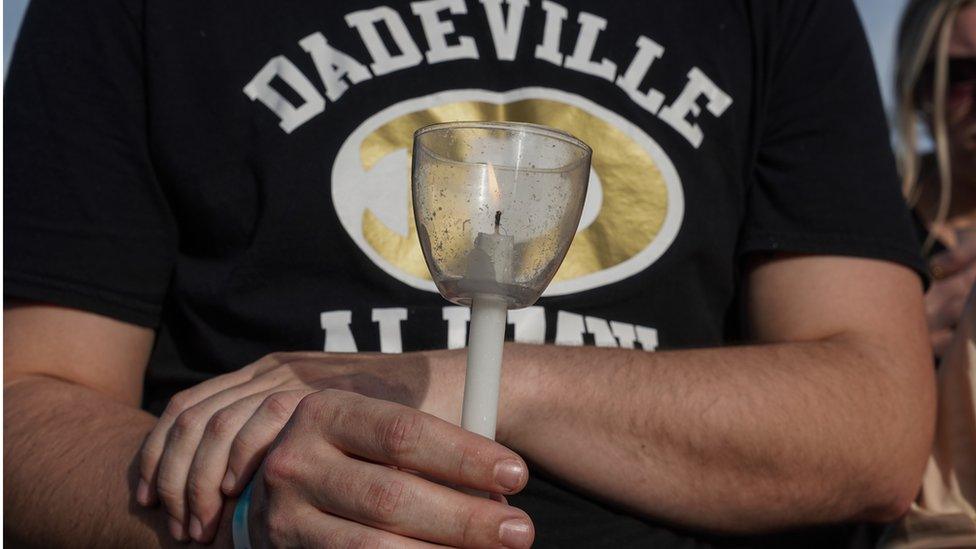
pixel 634 205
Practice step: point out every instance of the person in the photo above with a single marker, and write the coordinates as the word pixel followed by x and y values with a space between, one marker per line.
pixel 733 353
pixel 936 82
pixel 936 85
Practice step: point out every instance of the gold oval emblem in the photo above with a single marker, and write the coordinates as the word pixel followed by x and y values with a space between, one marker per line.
pixel 636 192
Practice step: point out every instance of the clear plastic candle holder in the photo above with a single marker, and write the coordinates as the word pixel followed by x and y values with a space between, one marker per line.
pixel 496 206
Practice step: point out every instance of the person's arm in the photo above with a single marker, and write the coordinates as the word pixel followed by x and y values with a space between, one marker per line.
pixel 73 429
pixel 830 420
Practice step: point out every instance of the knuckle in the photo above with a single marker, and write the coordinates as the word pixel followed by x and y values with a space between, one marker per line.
pixel 243 447
pixel 178 403
pixel 467 462
pixel 265 364
pixel 148 457
pixel 279 358
pixel 400 434
pixel 382 501
pixel 310 407
pixel 279 406
pixel 170 493
pixel 469 527
pixel 281 466
pixel 221 425
pixel 185 424
pixel 199 496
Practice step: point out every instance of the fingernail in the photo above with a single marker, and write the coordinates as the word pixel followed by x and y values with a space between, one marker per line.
pixel 509 473
pixel 142 493
pixel 228 483
pixel 176 529
pixel 196 528
pixel 515 533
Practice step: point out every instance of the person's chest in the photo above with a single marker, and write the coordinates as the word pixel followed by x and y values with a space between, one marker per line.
pixel 281 133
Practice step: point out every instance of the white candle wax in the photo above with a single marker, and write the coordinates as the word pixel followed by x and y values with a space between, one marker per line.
pixel 490 262
pixel 490 266
pixel 483 377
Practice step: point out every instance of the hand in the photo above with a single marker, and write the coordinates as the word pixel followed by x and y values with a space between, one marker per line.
pixel 955 273
pixel 211 438
pixel 334 478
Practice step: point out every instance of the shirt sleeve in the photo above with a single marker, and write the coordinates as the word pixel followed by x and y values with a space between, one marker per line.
pixel 824 178
pixel 87 225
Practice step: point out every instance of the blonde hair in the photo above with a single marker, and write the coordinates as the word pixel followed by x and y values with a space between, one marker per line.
pixel 925 24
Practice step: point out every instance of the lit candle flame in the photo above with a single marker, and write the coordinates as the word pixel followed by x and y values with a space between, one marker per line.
pixel 496 196
pixel 496 192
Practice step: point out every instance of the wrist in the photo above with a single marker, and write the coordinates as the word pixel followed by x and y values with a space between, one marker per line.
pixel 519 385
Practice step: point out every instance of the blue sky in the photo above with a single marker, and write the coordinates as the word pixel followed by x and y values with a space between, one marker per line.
pixel 13 12
pixel 880 18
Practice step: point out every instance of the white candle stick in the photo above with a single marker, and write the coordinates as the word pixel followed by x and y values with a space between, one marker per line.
pixel 490 265
pixel 482 381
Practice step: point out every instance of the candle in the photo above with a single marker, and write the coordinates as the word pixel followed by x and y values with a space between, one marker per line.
pixel 490 262
pixel 482 380
pixel 467 226
pixel 490 266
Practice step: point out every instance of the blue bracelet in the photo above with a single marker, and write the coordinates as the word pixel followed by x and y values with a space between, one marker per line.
pixel 242 538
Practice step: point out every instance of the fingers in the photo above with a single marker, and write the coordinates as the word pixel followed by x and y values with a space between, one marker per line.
pixel 152 447
pixel 304 467
pixel 249 446
pixel 313 528
pixel 393 434
pixel 332 531
pixel 399 502
pixel 180 444
pixel 210 462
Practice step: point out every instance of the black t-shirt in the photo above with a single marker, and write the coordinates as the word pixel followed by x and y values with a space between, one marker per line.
pixel 236 173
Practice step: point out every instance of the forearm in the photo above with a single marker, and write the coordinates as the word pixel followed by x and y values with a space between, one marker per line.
pixel 71 465
pixel 734 439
